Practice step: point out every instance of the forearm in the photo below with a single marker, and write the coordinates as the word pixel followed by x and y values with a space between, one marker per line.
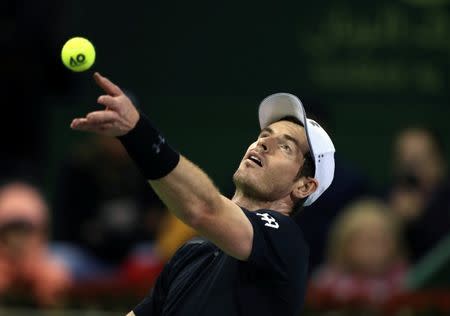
pixel 183 187
pixel 188 192
pixel 191 196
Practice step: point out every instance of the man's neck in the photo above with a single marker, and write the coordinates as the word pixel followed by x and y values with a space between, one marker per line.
pixel 251 204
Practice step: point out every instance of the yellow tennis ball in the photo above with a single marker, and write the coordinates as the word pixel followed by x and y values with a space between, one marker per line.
pixel 78 54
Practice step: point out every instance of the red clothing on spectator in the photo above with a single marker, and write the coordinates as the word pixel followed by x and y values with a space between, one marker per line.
pixel 345 287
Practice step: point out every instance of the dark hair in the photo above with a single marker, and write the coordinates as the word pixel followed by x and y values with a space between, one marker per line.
pixel 307 170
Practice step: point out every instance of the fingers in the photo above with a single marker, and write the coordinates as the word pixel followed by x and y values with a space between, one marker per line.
pixel 78 122
pixel 109 87
pixel 109 102
pixel 94 120
pixel 102 117
pixel 82 124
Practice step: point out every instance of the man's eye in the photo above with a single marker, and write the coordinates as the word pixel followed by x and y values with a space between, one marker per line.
pixel 286 147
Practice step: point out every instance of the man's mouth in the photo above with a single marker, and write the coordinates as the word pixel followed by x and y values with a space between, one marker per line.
pixel 255 160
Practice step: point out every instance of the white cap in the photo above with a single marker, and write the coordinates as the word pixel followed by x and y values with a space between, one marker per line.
pixel 279 105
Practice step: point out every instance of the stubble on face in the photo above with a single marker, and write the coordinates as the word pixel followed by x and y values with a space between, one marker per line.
pixel 251 187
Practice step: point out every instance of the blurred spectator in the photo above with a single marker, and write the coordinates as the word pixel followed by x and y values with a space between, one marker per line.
pixel 25 261
pixel 365 257
pixel 420 195
pixel 104 210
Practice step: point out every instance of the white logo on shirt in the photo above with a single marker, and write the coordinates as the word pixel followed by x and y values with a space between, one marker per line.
pixel 271 222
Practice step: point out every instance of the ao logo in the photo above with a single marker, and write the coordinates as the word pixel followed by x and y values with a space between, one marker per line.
pixel 77 61
pixel 271 222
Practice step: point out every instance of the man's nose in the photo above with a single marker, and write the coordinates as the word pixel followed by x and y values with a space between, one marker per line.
pixel 266 143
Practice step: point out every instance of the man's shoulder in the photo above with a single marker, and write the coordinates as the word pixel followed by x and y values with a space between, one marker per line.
pixel 276 223
pixel 279 247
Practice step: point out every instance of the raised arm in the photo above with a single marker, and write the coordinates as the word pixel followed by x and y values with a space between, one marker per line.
pixel 185 189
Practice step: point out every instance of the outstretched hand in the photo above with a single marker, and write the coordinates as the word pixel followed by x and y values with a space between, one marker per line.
pixel 117 119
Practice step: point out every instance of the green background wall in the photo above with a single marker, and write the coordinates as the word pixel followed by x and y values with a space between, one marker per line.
pixel 199 69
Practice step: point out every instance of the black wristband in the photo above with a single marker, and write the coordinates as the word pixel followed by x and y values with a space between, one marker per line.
pixel 149 150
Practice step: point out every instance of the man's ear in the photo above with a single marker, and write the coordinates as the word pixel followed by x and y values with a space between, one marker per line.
pixel 304 187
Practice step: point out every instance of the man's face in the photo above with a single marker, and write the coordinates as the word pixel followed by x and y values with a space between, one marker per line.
pixel 270 166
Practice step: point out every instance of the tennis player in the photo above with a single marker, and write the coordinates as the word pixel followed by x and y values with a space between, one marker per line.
pixel 252 259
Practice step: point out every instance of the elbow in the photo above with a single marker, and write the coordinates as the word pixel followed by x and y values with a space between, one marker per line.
pixel 201 213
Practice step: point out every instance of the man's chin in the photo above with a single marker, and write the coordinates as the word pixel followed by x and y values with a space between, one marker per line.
pixel 242 177
pixel 247 184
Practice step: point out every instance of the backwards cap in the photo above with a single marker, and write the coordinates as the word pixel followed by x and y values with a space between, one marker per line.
pixel 279 105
